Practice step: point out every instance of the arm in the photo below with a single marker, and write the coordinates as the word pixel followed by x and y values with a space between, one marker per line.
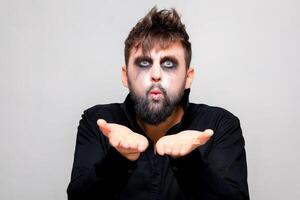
pixel 221 173
pixel 99 171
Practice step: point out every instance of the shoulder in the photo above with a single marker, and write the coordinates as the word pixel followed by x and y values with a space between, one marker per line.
pixel 104 111
pixel 89 117
pixel 209 111
pixel 100 108
pixel 226 125
pixel 213 117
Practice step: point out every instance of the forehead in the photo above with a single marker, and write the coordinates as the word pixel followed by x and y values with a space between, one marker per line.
pixel 174 49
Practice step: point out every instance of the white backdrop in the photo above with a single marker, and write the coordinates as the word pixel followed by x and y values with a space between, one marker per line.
pixel 59 57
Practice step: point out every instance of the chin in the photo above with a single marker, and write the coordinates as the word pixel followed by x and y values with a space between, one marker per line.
pixel 156 106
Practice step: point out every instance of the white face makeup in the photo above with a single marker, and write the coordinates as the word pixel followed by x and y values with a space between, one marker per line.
pixel 156 81
pixel 164 67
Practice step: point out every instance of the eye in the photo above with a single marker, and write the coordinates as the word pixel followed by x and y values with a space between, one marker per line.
pixel 168 64
pixel 144 63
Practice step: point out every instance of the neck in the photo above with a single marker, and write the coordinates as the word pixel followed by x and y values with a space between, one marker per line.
pixel 155 132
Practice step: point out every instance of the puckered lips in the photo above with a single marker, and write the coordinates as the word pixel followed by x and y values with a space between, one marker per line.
pixel 156 94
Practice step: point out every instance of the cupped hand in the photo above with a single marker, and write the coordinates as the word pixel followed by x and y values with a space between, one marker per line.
pixel 126 142
pixel 182 143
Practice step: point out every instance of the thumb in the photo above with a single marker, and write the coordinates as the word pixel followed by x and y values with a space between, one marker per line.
pixel 104 126
pixel 208 132
pixel 205 136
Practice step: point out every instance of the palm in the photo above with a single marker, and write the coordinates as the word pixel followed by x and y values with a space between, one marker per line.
pixel 127 142
pixel 182 143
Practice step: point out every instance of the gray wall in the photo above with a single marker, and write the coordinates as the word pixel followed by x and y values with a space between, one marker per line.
pixel 58 58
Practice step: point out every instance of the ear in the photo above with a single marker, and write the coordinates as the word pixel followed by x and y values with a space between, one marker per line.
pixel 124 76
pixel 190 77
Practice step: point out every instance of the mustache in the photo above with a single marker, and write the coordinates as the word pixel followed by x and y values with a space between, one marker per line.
pixel 159 86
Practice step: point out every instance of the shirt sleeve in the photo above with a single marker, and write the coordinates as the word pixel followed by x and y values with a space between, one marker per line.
pixel 219 173
pixel 99 171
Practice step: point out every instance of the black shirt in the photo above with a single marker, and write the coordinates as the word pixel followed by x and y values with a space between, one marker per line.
pixel 216 170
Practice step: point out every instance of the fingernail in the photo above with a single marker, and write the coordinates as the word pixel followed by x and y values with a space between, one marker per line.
pixel 210 132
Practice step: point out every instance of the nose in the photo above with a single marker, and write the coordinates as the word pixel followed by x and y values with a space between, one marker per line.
pixel 156 73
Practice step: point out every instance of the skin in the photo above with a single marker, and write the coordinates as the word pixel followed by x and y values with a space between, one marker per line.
pixel 165 67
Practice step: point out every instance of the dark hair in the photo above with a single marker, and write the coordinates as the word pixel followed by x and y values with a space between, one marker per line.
pixel 158 27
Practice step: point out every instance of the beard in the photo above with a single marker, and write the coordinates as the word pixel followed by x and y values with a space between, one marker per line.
pixel 153 111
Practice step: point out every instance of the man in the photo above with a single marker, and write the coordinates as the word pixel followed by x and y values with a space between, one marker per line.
pixel 157 145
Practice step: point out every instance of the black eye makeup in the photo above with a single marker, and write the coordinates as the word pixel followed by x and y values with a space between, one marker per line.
pixel 169 62
pixel 143 61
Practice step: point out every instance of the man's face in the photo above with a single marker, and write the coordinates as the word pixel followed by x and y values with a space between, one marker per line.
pixel 156 81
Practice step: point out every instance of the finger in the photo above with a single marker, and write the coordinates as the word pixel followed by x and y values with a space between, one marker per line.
pixel 176 150
pixel 169 148
pixel 142 145
pixel 104 127
pixel 124 144
pixel 175 153
pixel 114 142
pixel 208 132
pixel 205 136
pixel 129 145
pixel 132 145
pixel 184 150
pixel 160 148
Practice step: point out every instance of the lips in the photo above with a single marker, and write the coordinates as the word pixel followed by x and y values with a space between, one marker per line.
pixel 156 94
pixel 155 91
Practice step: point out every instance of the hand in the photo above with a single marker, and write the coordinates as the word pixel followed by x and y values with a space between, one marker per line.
pixel 126 142
pixel 182 143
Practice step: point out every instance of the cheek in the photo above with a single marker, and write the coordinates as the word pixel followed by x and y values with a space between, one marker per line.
pixel 140 81
pixel 173 83
pixel 167 82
